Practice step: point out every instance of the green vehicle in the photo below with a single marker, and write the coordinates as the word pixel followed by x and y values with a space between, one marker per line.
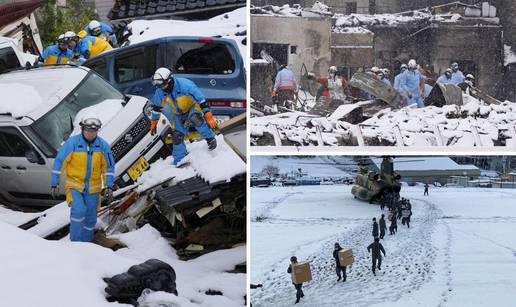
pixel 371 186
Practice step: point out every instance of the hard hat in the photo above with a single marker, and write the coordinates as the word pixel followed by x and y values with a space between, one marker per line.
pixel 375 69
pixel 403 66
pixel 82 34
pixel 161 77
pixel 470 76
pixel 91 123
pixel 386 71
pixel 332 69
pixel 61 38
pixel 70 35
pixel 412 64
pixel 94 27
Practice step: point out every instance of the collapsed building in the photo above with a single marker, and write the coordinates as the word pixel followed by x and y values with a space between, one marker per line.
pixel 437 36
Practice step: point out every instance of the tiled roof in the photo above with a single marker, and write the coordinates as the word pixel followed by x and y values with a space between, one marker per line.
pixel 12 11
pixel 128 9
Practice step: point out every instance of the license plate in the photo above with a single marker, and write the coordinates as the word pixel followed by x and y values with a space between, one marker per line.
pixel 138 168
pixel 221 118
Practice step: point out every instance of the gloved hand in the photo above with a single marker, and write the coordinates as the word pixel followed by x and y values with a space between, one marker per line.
pixel 153 127
pixel 108 195
pixel 53 192
pixel 210 120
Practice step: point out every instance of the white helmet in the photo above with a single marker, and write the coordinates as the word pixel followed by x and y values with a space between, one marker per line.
pixel 412 64
pixel 375 69
pixel 70 35
pixel 470 77
pixel 386 71
pixel 403 66
pixel 332 69
pixel 91 123
pixel 94 27
pixel 161 77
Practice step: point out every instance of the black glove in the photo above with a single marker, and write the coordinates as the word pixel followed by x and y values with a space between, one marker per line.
pixel 108 195
pixel 53 192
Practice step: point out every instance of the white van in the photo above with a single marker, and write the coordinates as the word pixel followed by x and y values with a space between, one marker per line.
pixel 11 57
pixel 38 107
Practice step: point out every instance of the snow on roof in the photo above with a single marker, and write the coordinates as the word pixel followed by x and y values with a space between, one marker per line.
pixel 230 25
pixel 105 111
pixel 509 55
pixel 425 164
pixel 359 30
pixel 24 91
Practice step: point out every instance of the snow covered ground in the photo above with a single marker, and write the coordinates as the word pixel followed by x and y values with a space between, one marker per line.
pixel 459 251
pixel 37 272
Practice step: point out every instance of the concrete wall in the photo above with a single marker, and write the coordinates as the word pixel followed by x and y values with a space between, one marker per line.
pixel 310 36
pixel 352 50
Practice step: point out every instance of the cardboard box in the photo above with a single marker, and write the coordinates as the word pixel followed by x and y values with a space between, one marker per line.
pixel 347 261
pixel 301 272
pixel 346 256
pixel 405 213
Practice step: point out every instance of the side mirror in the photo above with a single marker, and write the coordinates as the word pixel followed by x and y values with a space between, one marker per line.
pixel 33 157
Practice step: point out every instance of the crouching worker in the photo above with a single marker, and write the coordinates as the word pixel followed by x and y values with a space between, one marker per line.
pixel 299 287
pixel 88 163
pixel 185 106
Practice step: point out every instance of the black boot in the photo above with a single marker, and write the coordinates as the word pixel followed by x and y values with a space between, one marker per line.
pixel 212 143
pixel 297 301
pixel 338 279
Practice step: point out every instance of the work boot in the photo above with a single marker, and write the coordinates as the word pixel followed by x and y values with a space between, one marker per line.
pixel 302 294
pixel 338 279
pixel 379 268
pixel 297 301
pixel 212 143
pixel 344 279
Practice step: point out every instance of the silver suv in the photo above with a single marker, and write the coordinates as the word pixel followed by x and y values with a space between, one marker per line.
pixel 37 113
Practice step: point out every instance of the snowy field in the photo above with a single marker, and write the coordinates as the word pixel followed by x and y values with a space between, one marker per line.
pixel 459 251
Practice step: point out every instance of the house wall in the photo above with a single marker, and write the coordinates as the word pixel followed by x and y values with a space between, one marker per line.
pixel 310 36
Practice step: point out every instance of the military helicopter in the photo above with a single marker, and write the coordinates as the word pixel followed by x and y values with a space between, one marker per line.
pixel 371 186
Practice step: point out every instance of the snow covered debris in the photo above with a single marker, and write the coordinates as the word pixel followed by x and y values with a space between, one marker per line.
pixel 18 99
pixel 356 30
pixel 221 164
pixel 509 55
pixel 473 124
pixel 230 25
pixel 46 280
pixel 356 20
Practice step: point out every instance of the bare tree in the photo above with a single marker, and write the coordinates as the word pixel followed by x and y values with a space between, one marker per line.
pixel 270 170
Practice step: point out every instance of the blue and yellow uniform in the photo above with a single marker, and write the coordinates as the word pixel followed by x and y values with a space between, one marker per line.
pixel 87 166
pixel 54 55
pixel 106 33
pixel 182 107
pixel 90 46
pixel 77 57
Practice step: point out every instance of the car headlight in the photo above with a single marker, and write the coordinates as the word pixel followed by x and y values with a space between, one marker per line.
pixel 147 109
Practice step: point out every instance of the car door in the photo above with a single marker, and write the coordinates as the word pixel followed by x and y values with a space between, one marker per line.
pixel 133 70
pixel 24 172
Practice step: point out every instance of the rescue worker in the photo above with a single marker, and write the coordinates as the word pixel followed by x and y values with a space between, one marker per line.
pixel 381 76
pixel 88 163
pixel 334 89
pixel 90 46
pixel 184 105
pixel 383 226
pixel 57 54
pixel 376 247
pixel 393 228
pixel 299 287
pixel 446 78
pixel 426 189
pixel 73 44
pixel 468 84
pixel 375 228
pixel 338 267
pixel 101 30
pixel 409 84
pixel 285 88
pixel 397 79
pixel 457 75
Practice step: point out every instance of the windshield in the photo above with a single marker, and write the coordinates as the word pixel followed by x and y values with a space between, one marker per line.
pixel 200 58
pixel 57 125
